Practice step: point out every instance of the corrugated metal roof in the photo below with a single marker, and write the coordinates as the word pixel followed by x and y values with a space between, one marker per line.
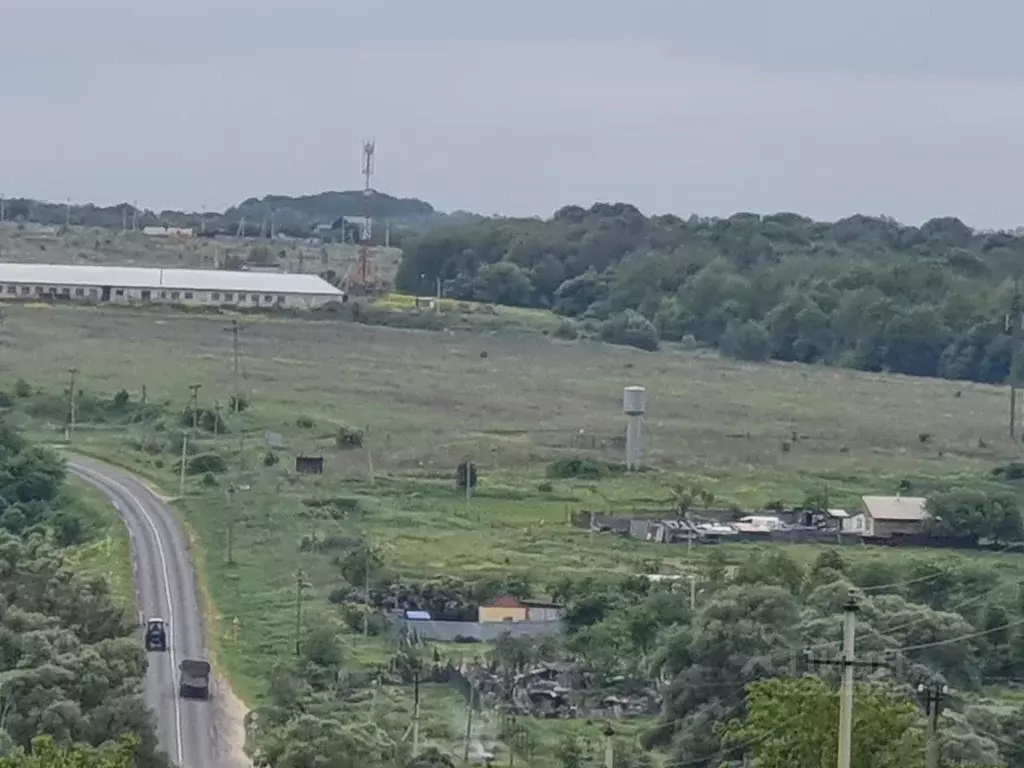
pixel 910 508
pixel 174 279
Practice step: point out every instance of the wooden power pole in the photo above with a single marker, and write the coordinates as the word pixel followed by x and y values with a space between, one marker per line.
pixel 1014 320
pixel 931 697
pixel 236 402
pixel 71 401
pixel 848 663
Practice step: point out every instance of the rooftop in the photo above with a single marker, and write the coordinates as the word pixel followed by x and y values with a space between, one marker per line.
pixel 173 279
pixel 908 508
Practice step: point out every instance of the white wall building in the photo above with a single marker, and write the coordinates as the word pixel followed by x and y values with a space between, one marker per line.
pixel 143 285
pixel 168 231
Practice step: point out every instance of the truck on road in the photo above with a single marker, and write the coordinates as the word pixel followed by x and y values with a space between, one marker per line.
pixel 195 679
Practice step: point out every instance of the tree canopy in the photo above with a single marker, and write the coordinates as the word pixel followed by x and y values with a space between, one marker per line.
pixel 864 292
pixel 71 665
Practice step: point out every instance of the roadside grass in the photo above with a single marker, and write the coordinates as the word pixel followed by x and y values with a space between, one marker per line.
pixel 751 434
pixel 108 554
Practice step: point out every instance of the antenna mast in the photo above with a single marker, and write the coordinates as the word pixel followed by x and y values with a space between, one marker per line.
pixel 365 267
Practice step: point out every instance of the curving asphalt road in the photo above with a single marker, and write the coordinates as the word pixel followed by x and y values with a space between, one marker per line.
pixel 165 583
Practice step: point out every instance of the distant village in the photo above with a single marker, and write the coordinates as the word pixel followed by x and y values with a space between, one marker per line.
pixel 881 520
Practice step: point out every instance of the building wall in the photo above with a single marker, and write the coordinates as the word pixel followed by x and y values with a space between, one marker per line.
pixel 485 632
pixel 538 613
pixel 14 291
pixel 889 527
pixel 489 613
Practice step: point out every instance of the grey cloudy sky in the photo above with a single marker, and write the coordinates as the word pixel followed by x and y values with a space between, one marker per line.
pixel 913 108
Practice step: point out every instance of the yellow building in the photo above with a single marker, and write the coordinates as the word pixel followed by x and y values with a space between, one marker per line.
pixel 510 608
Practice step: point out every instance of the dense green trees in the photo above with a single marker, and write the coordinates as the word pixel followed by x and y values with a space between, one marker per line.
pixel 863 292
pixel 930 618
pixel 71 668
pixel 793 723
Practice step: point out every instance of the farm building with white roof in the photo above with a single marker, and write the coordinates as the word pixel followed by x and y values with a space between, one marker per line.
pixel 126 285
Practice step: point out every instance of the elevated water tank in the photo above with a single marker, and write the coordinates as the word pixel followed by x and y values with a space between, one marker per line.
pixel 634 400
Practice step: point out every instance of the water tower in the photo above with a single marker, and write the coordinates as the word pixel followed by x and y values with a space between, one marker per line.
pixel 634 403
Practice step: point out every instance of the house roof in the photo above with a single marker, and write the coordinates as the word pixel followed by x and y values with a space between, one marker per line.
pixel 505 601
pixel 172 279
pixel 904 508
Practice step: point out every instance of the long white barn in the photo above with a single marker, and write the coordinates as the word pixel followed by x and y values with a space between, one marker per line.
pixel 125 285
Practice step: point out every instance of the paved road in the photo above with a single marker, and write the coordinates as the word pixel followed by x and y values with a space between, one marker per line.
pixel 165 583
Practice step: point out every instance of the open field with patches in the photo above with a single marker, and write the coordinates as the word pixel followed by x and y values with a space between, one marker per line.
pixel 426 400
pixel 104 247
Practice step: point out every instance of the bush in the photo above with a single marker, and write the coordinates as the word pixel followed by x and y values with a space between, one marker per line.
pixel 6 401
pixel 631 329
pixel 204 418
pixel 270 459
pixel 204 463
pixel 22 388
pixel 566 330
pixel 349 437
pixel 305 422
pixel 238 403
pixel 746 341
pixel 566 468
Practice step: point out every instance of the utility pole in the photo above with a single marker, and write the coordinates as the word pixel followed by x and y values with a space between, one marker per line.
pixel 366 590
pixel 300 584
pixel 1013 321
pixel 469 722
pixel 847 663
pixel 231 521
pixel 416 712
pixel 235 328
pixel 184 454
pixel 931 697
pixel 71 401
pixel 693 576
pixel 609 747
pixel 195 404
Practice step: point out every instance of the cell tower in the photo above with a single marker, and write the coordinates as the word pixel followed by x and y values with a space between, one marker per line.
pixel 365 269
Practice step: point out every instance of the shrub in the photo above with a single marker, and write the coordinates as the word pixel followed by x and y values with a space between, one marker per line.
pixel 305 422
pixel 349 437
pixel 204 463
pixel 270 459
pixel 746 341
pixel 566 330
pixel 566 468
pixel 238 403
pixel 204 418
pixel 632 329
pixel 22 388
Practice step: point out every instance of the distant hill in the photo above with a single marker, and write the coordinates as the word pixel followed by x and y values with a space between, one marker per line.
pixel 300 216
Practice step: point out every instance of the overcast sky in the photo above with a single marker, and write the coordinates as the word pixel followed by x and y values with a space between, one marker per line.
pixel 912 108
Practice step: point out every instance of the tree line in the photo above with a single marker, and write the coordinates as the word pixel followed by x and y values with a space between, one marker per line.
pixel 863 292
pixel 71 664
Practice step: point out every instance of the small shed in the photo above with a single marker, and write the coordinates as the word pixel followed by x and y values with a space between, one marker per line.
pixel 309 465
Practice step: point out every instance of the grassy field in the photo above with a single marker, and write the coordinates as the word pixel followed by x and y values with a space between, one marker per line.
pixel 513 402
